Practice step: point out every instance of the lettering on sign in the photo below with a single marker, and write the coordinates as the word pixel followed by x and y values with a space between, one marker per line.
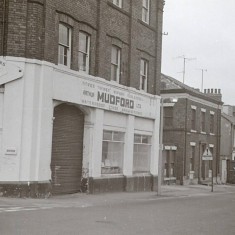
pixel 11 151
pixel 115 100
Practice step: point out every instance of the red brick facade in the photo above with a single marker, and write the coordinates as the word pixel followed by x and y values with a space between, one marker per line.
pixel 184 137
pixel 31 31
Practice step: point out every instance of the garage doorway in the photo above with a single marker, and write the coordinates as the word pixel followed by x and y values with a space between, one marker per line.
pixel 67 149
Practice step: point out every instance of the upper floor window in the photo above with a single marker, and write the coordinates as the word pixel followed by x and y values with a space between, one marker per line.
pixel 145 11
pixel 168 116
pixel 203 121
pixel 84 52
pixel 115 63
pixel 143 74
pixel 212 123
pixel 64 50
pixel 117 3
pixel 193 119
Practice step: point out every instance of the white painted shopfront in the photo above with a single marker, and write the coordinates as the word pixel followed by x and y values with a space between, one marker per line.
pixel 121 124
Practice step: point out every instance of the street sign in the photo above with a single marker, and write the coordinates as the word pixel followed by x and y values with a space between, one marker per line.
pixel 207 155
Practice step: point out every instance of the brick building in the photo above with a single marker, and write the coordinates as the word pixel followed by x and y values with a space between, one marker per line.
pixel 227 145
pixel 79 96
pixel 191 124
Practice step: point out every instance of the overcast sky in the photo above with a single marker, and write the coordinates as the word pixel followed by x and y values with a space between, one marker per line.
pixel 205 30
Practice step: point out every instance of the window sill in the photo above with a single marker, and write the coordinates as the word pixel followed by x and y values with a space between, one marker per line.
pixel 147 25
pixel 193 131
pixel 64 67
pixel 119 9
pixel 169 178
pixel 111 175
pixel 212 134
pixel 141 173
pixel 202 132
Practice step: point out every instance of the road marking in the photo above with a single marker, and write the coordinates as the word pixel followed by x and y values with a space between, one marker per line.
pixel 9 208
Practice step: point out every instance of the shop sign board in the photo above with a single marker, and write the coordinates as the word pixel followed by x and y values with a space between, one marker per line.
pixel 106 95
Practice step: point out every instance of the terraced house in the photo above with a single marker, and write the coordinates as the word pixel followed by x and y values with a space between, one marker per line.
pixel 79 96
pixel 192 121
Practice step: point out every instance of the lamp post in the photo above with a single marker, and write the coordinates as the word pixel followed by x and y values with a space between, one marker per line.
pixel 159 179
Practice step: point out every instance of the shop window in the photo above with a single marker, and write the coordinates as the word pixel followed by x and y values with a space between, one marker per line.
pixel 192 159
pixel 117 3
pixel 115 63
pixel 84 52
pixel 143 74
pixel 142 152
pixel 193 119
pixel 145 11
pixel 212 123
pixel 64 50
pixel 168 116
pixel 203 121
pixel 112 152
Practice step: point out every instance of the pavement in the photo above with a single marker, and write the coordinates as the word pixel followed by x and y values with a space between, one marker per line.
pixel 87 200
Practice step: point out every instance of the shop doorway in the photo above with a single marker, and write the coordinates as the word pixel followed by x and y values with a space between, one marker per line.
pixel 67 149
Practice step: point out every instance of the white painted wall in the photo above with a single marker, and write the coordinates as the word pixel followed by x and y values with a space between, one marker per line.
pixel 28 106
pixel 12 130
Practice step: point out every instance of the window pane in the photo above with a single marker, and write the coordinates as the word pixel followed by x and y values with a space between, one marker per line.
pixel 63 35
pixel 115 63
pixel 112 153
pixel 61 55
pixel 146 139
pixel 114 59
pixel 142 67
pixel 118 136
pixel 113 72
pixel 82 60
pixel 137 138
pixel 107 135
pixel 83 42
pixel 141 158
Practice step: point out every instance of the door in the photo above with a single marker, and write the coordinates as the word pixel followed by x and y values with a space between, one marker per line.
pixel 67 149
pixel 224 172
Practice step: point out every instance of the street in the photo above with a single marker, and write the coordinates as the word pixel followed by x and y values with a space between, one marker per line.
pixel 180 210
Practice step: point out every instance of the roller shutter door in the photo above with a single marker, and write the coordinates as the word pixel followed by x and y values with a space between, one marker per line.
pixel 67 146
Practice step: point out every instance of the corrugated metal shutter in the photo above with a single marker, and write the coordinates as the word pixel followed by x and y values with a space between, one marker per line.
pixel 67 148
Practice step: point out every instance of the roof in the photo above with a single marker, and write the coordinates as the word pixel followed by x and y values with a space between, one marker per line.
pixel 231 119
pixel 172 85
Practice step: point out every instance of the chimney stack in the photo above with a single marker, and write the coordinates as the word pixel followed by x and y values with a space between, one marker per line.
pixel 213 93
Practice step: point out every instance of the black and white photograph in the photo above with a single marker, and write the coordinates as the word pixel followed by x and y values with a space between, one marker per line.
pixel 117 117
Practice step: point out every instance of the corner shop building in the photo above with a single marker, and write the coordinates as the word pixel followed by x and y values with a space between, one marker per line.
pixel 63 132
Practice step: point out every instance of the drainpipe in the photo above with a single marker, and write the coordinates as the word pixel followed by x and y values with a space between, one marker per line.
pixel 185 141
pixel 218 142
pixel 199 162
pixel 3 27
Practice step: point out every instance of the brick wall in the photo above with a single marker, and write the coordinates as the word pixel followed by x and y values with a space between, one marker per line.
pixel 33 33
pixel 180 135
